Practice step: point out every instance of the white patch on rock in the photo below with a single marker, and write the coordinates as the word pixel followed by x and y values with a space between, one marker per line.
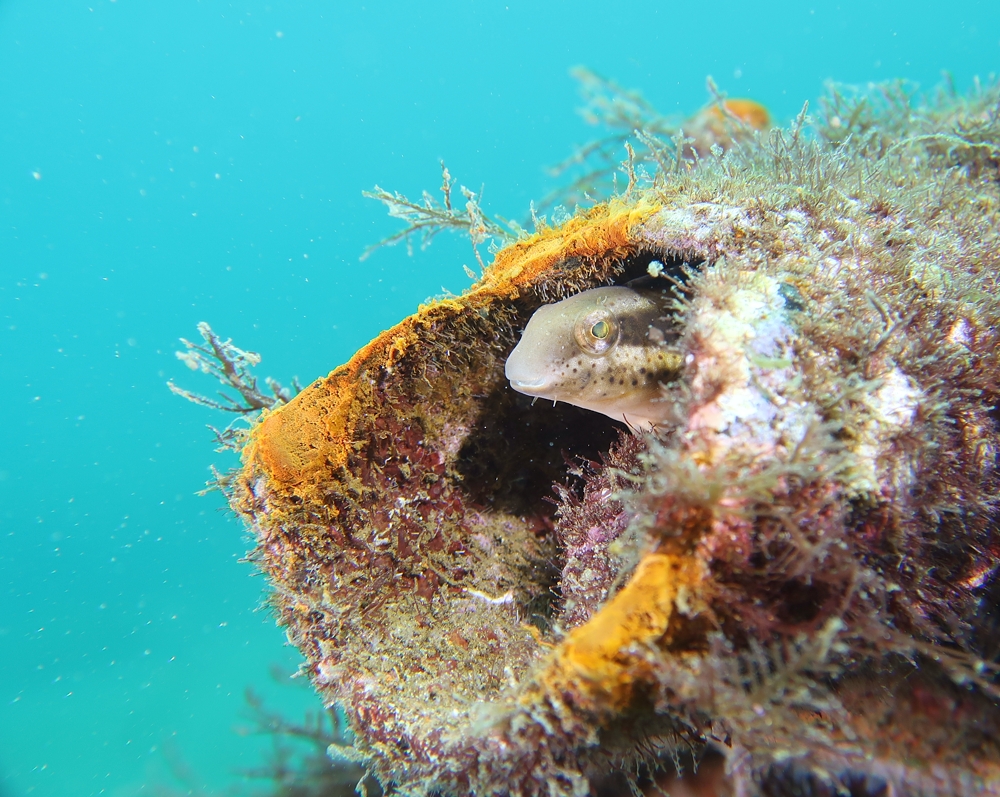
pixel 896 399
pixel 891 409
pixel 742 368
pixel 959 333
pixel 695 225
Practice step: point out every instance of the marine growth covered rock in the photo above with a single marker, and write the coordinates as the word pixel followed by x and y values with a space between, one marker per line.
pixel 795 578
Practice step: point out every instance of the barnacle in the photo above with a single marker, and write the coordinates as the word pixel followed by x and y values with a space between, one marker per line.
pixel 798 578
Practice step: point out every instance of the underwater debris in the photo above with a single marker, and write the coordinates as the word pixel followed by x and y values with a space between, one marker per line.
pixel 797 577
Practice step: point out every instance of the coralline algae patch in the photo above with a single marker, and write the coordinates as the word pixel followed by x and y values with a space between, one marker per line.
pixel 815 529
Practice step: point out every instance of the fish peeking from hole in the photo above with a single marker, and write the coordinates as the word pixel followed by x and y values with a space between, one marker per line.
pixel 609 350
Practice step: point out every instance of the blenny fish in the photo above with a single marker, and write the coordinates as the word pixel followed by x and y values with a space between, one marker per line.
pixel 605 349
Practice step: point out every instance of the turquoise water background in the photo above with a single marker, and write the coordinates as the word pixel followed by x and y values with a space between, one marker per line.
pixel 165 162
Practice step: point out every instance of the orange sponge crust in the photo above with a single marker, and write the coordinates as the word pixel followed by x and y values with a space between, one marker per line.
pixel 308 438
pixel 603 661
pixel 734 121
pixel 747 111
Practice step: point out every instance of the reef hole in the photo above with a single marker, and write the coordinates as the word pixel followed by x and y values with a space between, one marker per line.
pixel 635 267
pixel 520 449
pixel 987 626
pixel 802 604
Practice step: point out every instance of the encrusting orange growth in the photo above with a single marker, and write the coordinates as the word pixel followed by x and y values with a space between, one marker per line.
pixel 602 658
pixel 722 126
pixel 747 111
pixel 299 442
pixel 639 614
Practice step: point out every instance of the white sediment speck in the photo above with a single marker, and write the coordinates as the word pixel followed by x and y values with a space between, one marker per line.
pixel 959 333
pixel 499 600
pixel 896 400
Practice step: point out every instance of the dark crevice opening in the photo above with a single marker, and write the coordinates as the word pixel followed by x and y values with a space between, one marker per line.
pixel 676 270
pixel 987 622
pixel 517 451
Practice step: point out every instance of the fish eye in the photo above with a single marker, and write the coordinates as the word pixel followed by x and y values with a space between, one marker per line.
pixel 596 332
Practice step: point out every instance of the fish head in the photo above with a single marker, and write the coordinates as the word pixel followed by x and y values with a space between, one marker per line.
pixel 605 349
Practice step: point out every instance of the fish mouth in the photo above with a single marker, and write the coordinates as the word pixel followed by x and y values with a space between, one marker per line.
pixel 532 388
